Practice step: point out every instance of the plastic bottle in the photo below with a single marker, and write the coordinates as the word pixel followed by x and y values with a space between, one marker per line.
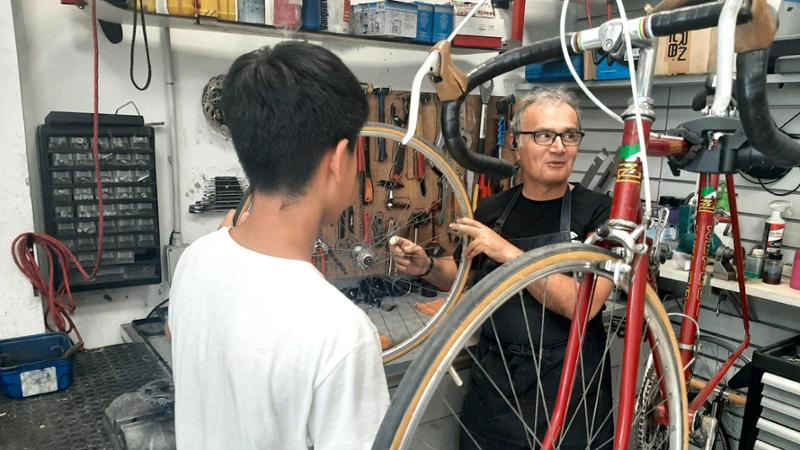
pixel 754 264
pixel 773 269
pixel 794 283
pixel 774 226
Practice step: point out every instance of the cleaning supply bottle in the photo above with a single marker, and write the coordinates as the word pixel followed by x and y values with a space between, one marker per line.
pixel 722 197
pixel 774 226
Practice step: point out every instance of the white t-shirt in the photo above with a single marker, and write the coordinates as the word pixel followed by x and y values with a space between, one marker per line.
pixel 267 354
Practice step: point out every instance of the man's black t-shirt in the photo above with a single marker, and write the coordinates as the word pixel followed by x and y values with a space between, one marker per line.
pixel 532 218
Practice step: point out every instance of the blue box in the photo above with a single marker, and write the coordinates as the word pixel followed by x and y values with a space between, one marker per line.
pixel 616 71
pixel 424 23
pixel 553 70
pixel 36 364
pixel 443 16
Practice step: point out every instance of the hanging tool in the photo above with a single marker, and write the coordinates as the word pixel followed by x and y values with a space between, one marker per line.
pixel 378 227
pixel 419 172
pixel 360 170
pixel 401 121
pixel 381 93
pixel 484 190
pixel 368 186
pixel 390 186
pixel 319 256
pixel 351 221
pixel 342 225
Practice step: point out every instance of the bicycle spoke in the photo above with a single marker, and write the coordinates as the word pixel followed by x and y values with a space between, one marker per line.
pixel 497 388
pixel 460 423
pixel 508 374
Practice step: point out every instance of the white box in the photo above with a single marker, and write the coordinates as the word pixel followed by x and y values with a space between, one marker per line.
pixel 386 18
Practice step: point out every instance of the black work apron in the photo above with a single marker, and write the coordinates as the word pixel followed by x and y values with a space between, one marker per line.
pixel 485 412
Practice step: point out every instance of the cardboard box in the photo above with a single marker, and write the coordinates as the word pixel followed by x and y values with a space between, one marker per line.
pixel 484 29
pixel 424 23
pixel 442 21
pixel 693 52
pixel 385 18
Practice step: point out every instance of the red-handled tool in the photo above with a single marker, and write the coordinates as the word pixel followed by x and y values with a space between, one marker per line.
pixel 368 188
pixel 419 169
pixel 360 164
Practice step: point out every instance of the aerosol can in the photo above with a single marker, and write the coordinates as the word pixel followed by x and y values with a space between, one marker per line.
pixel 773 228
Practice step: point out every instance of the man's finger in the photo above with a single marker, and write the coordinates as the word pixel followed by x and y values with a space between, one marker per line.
pixel 470 222
pixel 466 229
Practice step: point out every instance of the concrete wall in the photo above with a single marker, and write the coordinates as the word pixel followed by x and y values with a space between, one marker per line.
pixel 20 311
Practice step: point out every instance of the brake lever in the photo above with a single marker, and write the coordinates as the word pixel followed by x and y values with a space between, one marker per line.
pixel 449 81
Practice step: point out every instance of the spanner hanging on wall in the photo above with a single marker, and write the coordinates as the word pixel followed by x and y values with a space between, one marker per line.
pixel 484 190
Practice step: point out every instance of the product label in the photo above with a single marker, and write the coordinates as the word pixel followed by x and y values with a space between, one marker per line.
pixel 40 381
pixel 773 237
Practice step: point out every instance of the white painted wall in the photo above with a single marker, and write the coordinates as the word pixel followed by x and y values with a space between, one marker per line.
pixel 55 68
pixel 20 311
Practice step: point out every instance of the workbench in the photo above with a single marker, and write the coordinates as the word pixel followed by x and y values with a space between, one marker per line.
pixel 73 418
pixel 778 293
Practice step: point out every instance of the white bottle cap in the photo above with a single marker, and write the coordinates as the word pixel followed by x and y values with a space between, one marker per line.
pixel 758 252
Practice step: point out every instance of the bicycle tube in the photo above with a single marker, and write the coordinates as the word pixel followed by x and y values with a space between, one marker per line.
pixel 429 368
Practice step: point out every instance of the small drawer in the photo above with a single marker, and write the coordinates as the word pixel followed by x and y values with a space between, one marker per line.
pixel 84 194
pixel 62 195
pixel 57 143
pixel 64 212
pixel 62 177
pixel 62 159
pixel 86 228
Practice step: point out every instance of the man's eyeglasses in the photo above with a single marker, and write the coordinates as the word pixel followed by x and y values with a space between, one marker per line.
pixel 547 137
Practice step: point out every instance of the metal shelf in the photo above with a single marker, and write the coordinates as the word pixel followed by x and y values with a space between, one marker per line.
pixel 674 80
pixel 111 13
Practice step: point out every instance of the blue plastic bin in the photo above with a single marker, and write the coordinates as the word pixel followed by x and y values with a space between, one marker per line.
pixel 615 71
pixel 553 70
pixel 33 365
pixel 424 23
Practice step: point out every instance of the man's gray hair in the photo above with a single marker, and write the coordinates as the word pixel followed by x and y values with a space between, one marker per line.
pixel 546 95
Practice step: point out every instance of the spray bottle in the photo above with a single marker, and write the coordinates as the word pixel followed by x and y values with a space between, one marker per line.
pixel 773 228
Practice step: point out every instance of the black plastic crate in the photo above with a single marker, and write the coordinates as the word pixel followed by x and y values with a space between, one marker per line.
pixel 772 414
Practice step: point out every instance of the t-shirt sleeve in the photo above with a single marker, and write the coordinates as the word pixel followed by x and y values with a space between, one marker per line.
pixel 350 403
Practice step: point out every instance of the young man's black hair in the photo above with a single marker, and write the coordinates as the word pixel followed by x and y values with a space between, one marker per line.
pixel 285 107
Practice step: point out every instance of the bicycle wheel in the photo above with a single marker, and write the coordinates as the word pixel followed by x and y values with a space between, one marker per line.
pixel 353 254
pixel 711 354
pixel 427 402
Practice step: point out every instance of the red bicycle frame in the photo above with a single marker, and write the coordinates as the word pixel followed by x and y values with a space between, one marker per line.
pixel 626 211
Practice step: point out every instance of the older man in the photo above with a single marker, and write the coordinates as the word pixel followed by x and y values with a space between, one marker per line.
pixel 545 209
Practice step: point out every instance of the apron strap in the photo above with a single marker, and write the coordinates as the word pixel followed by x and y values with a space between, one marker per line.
pixel 498 224
pixel 566 211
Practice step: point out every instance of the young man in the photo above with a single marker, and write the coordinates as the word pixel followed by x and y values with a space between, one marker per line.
pixel 266 353
pixel 544 209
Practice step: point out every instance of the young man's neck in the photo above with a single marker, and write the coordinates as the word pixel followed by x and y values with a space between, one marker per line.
pixel 280 227
pixel 543 192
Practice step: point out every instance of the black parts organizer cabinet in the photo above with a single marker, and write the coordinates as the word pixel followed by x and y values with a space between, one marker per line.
pixel 131 248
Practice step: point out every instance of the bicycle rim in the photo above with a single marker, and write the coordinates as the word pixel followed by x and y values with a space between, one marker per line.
pixel 389 299
pixel 429 373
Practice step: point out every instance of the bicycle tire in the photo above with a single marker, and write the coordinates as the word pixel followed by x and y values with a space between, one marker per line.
pixel 462 201
pixel 428 369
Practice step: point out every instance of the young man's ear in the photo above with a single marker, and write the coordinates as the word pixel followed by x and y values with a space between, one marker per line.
pixel 341 161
